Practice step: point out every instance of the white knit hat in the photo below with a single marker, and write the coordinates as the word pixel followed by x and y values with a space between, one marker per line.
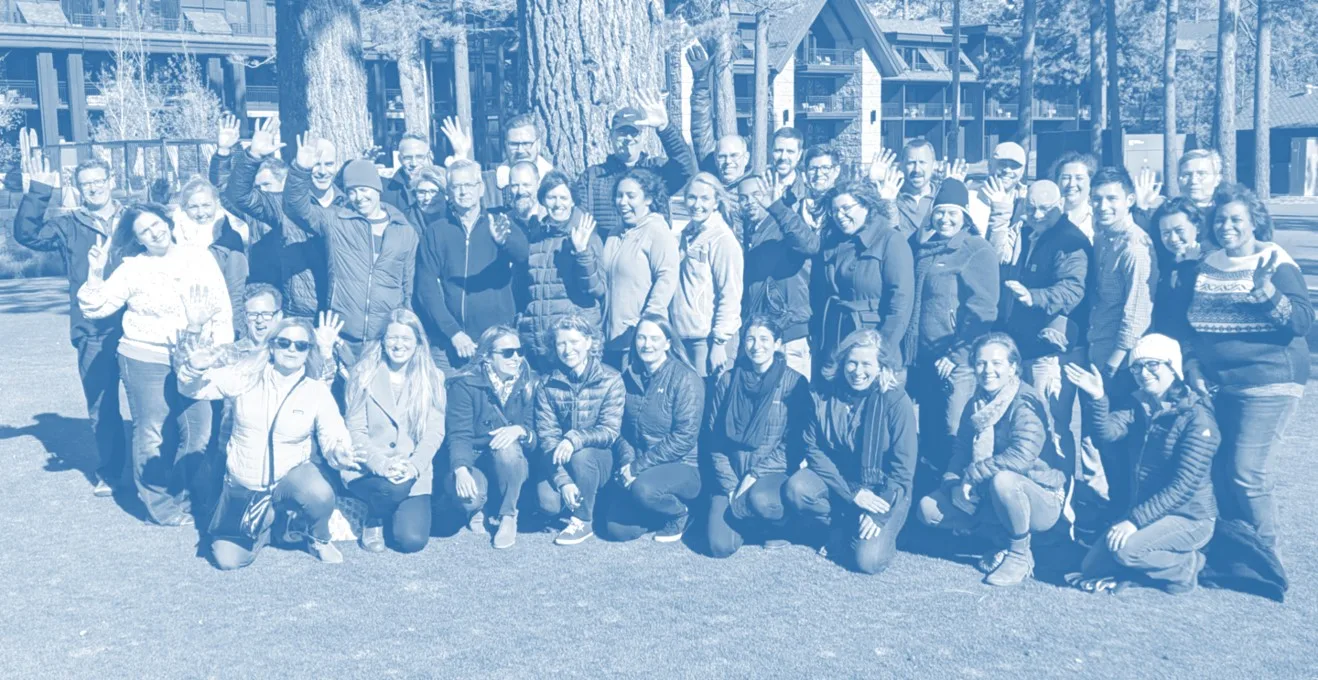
pixel 1159 348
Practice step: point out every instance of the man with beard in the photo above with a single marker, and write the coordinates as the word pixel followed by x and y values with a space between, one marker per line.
pixel 523 184
pixel 200 221
pixel 73 235
pixel 785 151
pixel 597 184
pixel 995 204
pixel 413 154
pixel 521 142
pixel 915 201
pixel 303 274
pixel 465 269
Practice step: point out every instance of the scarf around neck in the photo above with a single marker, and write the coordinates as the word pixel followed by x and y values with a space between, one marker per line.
pixel 984 416
pixel 745 422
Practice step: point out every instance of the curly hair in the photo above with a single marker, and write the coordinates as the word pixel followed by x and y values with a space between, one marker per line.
pixel 652 186
pixel 578 323
pixel 863 338
pixel 1259 217
pixel 124 241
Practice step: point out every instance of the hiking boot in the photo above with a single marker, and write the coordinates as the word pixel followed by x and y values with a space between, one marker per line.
pixel 672 531
pixel 102 489
pixel 506 536
pixel 575 532
pixel 372 539
pixel 1015 568
pixel 988 563
pixel 477 524
pixel 324 551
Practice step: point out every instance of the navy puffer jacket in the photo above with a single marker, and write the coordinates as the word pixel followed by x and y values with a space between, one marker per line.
pixel 558 280
pixel 662 417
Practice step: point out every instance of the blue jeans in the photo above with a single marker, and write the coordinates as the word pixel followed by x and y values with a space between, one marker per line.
pixel 760 507
pixel 658 495
pixel 409 516
pixel 808 496
pixel 1251 425
pixel 590 470
pixel 509 468
pixel 170 434
pixel 98 370
pixel 303 491
pixel 1164 552
pixel 941 404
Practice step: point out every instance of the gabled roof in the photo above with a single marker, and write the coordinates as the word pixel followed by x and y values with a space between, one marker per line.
pixel 788 30
pixel 1289 110
pixel 912 27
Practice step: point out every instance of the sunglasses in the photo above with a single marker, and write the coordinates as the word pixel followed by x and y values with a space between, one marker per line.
pixel 509 353
pixel 299 345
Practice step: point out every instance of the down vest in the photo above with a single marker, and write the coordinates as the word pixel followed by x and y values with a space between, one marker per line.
pixel 586 411
pixel 1174 459
pixel 364 288
pixel 1022 443
pixel 661 420
pixel 558 281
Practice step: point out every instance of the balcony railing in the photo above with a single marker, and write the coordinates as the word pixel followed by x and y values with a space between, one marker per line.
pixel 830 104
pixel 257 30
pixel 1044 110
pixel 828 57
pixel 891 109
pixel 24 91
pixel 267 94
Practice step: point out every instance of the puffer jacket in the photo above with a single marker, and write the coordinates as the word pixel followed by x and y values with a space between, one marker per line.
pixel 557 281
pixel 586 411
pixel 1173 454
pixel 71 235
pixel 782 429
pixel 662 417
pixel 474 412
pixel 364 289
pixel 303 273
pixel 1022 443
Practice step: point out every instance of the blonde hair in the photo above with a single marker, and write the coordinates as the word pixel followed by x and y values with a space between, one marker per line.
pixel 423 386
pixel 727 203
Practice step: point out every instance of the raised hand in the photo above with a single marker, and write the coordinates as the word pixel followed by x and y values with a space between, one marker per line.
pixel 582 232
pixel 954 169
pixel 308 150
pixel 889 182
pixel 499 229
pixel 197 305
pixel 228 134
pixel 265 139
pixel 457 137
pixel 1021 292
pixel 1147 189
pixel 995 193
pixel 881 163
pixel 34 161
pixel 1089 380
pixel 1263 289
pixel 97 257
pixel 656 114
pixel 328 327
pixel 697 57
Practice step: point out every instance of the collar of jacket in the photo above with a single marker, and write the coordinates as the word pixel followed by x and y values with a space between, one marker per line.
pixel 613 164
pixel 545 226
pixel 956 242
pixel 594 369
pixel 85 217
pixel 382 392
pixel 475 377
pixel 635 371
pixel 1179 399
pixel 870 232
pixel 710 227
pixel 396 216
pixel 645 221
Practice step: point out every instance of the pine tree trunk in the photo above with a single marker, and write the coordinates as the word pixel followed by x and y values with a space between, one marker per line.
pixel 1224 115
pixel 954 137
pixel 1029 17
pixel 587 59
pixel 1115 143
pixel 725 89
pixel 1170 149
pixel 760 120
pixel 1096 80
pixel 415 84
pixel 462 73
pixel 1262 103
pixel 322 80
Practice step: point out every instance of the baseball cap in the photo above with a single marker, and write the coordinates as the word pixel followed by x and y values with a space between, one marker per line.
pixel 627 117
pixel 1009 151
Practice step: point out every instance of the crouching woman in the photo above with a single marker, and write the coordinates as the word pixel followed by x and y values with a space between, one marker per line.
pixel 1004 472
pixel 860 448
pixel 277 408
pixel 1173 436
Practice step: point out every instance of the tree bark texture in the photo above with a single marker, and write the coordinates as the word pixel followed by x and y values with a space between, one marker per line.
pixel 725 89
pixel 1262 102
pixel 587 59
pixel 1224 115
pixel 1029 21
pixel 1170 149
pixel 760 119
pixel 1096 80
pixel 415 84
pixel 1111 37
pixel 322 78
pixel 954 136
pixel 462 73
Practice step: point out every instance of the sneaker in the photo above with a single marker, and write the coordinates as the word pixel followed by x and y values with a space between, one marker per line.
pixel 477 524
pixel 372 539
pixel 506 536
pixel 672 532
pixel 102 489
pixel 991 561
pixel 575 532
pixel 324 551
pixel 1015 568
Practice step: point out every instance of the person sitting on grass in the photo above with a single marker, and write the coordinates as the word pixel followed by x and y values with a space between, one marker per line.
pixel 578 417
pixel 269 470
pixel 860 454
pixel 1005 472
pixel 396 404
pixel 749 429
pixel 491 422
pixel 1173 435
pixel 657 456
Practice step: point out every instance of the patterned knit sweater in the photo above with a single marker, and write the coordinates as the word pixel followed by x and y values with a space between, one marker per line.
pixel 1244 346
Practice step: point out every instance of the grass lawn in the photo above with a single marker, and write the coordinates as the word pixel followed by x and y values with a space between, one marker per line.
pixel 89 591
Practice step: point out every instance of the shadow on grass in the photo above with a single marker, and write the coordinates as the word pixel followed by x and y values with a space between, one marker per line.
pixel 33 297
pixel 67 442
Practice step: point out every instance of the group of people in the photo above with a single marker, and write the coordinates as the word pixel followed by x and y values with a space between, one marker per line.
pixel 454 335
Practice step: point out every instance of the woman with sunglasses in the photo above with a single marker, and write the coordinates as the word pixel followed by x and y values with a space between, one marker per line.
pixel 578 417
pixel 1173 436
pixel 160 286
pixel 491 427
pixel 395 398
pixel 278 406
pixel 657 455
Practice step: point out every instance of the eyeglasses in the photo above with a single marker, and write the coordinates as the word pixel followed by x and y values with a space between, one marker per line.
pixel 509 352
pixel 261 316
pixel 94 183
pixel 299 345
pixel 815 169
pixel 1150 366
pixel 466 186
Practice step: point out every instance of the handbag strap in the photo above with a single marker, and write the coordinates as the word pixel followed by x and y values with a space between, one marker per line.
pixel 270 434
